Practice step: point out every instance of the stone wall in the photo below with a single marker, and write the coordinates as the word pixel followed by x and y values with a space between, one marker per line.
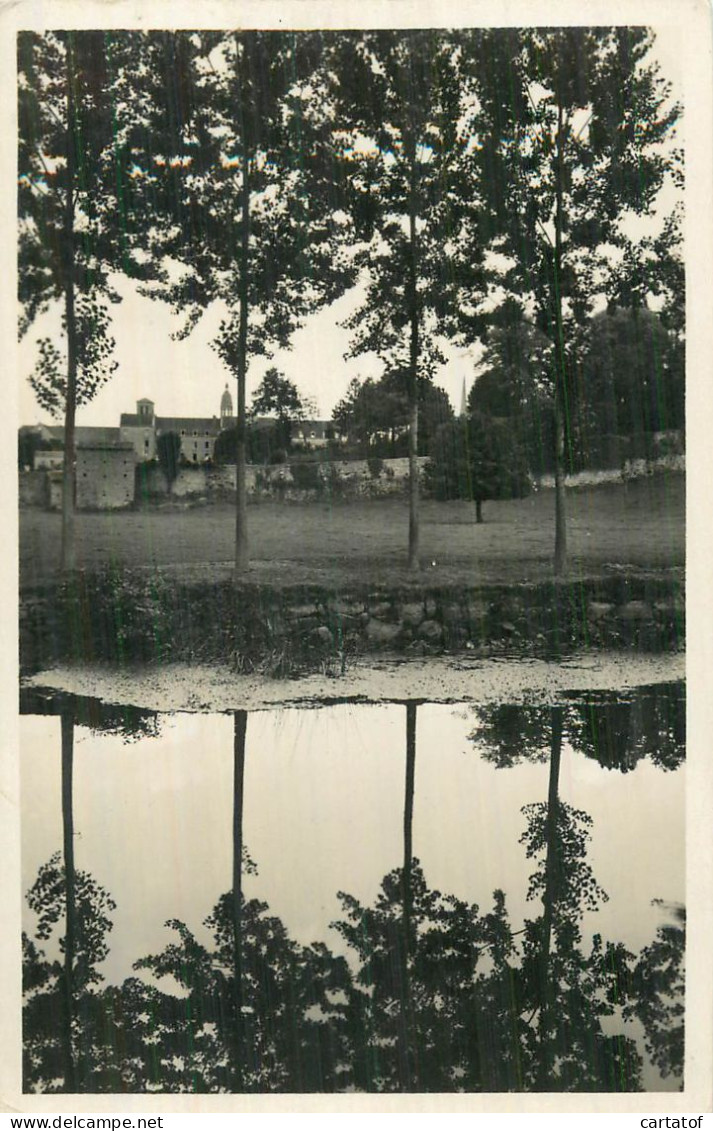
pixel 145 615
pixel 632 469
pixel 342 478
pixel 33 490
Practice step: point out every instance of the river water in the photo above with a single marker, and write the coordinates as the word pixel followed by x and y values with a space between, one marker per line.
pixel 433 896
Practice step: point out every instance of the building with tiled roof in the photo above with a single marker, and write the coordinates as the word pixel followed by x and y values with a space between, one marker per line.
pixel 312 433
pixel 197 433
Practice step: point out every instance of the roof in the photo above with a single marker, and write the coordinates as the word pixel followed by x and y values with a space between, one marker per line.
pixel 319 427
pixel 86 435
pixel 209 424
pixel 133 420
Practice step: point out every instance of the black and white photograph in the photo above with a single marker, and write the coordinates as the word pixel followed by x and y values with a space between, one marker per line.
pixel 356 367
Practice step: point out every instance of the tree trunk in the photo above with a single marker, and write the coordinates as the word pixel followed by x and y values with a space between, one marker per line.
pixel 560 397
pixel 407 1050
pixel 70 940
pixel 241 507
pixel 408 818
pixel 414 489
pixel 549 901
pixel 414 486
pixel 560 488
pixel 478 510
pixel 68 559
pixel 240 722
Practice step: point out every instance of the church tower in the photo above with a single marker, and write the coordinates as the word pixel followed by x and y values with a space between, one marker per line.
pixel 226 409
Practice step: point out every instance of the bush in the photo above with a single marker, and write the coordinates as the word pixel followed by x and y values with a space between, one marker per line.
pixel 476 459
pixel 306 476
pixel 376 466
pixel 336 484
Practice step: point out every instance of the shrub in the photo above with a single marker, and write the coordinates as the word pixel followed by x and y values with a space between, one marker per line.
pixel 170 457
pixel 336 484
pixel 476 459
pixel 376 466
pixel 306 476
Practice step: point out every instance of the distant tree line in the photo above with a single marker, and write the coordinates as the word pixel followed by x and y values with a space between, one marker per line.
pixel 630 387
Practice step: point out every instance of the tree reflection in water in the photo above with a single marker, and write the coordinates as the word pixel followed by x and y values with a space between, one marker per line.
pixel 617 729
pixel 434 995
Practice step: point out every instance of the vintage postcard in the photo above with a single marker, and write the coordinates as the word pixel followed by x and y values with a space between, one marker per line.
pixel 357 575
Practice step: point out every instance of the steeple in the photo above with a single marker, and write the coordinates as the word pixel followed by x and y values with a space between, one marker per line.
pixel 226 409
pixel 463 401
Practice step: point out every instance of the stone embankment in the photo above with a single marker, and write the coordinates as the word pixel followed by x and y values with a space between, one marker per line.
pixel 147 616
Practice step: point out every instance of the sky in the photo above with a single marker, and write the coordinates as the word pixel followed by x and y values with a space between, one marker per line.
pixel 187 378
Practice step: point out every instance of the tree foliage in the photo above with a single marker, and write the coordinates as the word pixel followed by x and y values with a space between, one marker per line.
pixel 568 165
pixel 277 396
pixel 375 414
pixel 70 221
pixel 513 387
pixel 476 458
pixel 632 378
pixel 401 98
pixel 95 363
pixel 168 451
pixel 658 996
pixel 251 199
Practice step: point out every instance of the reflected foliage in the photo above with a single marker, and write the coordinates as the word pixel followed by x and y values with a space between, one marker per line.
pixel 123 719
pixel 44 998
pixel 616 732
pixel 461 1015
pixel 420 991
pixel 657 998
pixel 510 733
pixel 649 723
pixel 474 1010
pixel 572 993
pixel 293 1008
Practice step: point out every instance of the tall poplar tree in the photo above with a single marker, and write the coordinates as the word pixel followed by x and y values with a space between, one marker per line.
pixel 401 104
pixel 581 142
pixel 251 213
pixel 71 222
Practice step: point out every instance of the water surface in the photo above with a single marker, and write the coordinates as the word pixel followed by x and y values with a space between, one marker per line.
pixel 430 897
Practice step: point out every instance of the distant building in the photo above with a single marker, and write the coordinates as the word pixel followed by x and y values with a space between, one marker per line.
pixel 104 468
pixel 312 433
pixel 197 433
pixel 139 429
pixel 48 459
pixel 83 434
pixel 105 476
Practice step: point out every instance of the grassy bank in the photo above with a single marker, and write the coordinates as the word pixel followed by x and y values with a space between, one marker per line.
pixel 635 526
